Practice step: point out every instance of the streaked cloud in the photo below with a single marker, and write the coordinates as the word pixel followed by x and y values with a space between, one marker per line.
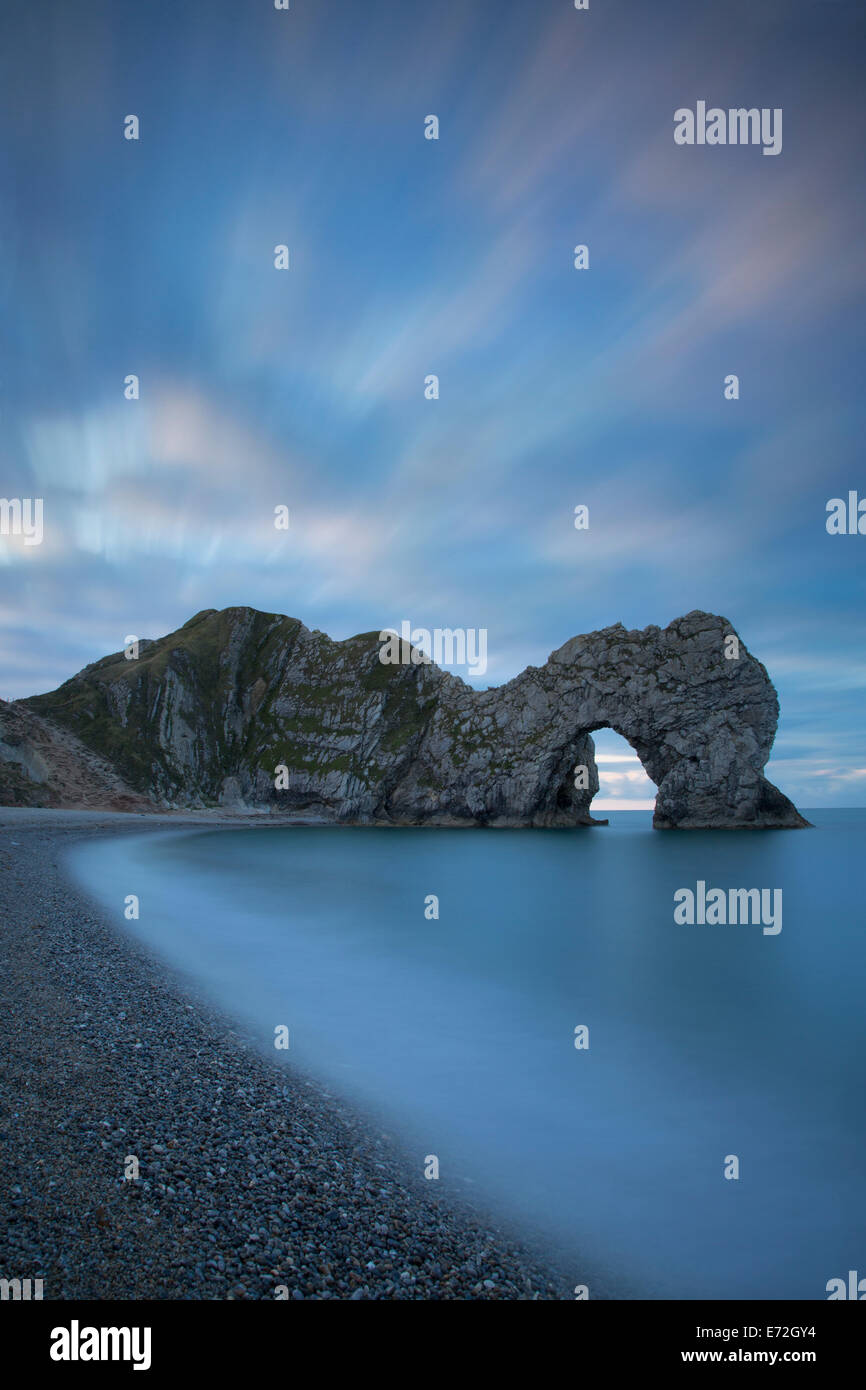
pixel 452 257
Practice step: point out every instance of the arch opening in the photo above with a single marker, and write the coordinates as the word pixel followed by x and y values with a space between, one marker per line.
pixel 623 781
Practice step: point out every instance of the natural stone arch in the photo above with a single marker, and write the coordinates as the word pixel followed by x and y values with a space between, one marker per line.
pixel 702 722
pixel 206 715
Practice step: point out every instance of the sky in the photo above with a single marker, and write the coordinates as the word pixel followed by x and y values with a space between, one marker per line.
pixel 409 257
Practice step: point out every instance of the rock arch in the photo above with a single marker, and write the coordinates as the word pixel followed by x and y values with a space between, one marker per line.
pixel 207 713
pixel 701 721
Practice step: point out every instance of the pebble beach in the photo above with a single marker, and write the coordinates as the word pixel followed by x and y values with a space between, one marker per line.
pixel 254 1181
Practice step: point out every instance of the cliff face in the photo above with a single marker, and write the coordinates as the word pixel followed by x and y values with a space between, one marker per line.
pixel 42 764
pixel 208 714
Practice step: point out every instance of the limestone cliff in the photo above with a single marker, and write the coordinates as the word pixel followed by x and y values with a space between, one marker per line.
pixel 205 717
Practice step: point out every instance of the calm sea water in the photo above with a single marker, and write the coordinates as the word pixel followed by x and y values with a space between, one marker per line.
pixel 705 1041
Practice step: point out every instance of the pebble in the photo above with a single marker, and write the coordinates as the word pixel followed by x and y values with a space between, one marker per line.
pixel 279 1184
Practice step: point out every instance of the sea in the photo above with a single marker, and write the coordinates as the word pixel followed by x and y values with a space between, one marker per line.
pixel 674 1109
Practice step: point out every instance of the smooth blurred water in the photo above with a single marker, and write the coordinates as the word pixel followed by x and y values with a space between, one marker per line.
pixel 705 1041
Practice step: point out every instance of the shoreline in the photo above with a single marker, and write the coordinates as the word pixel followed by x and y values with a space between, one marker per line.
pixel 253 1176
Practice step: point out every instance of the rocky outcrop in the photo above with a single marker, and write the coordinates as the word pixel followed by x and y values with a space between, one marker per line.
pixel 207 716
pixel 42 764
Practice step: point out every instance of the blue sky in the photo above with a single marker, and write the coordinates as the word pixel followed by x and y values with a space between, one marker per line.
pixel 410 257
